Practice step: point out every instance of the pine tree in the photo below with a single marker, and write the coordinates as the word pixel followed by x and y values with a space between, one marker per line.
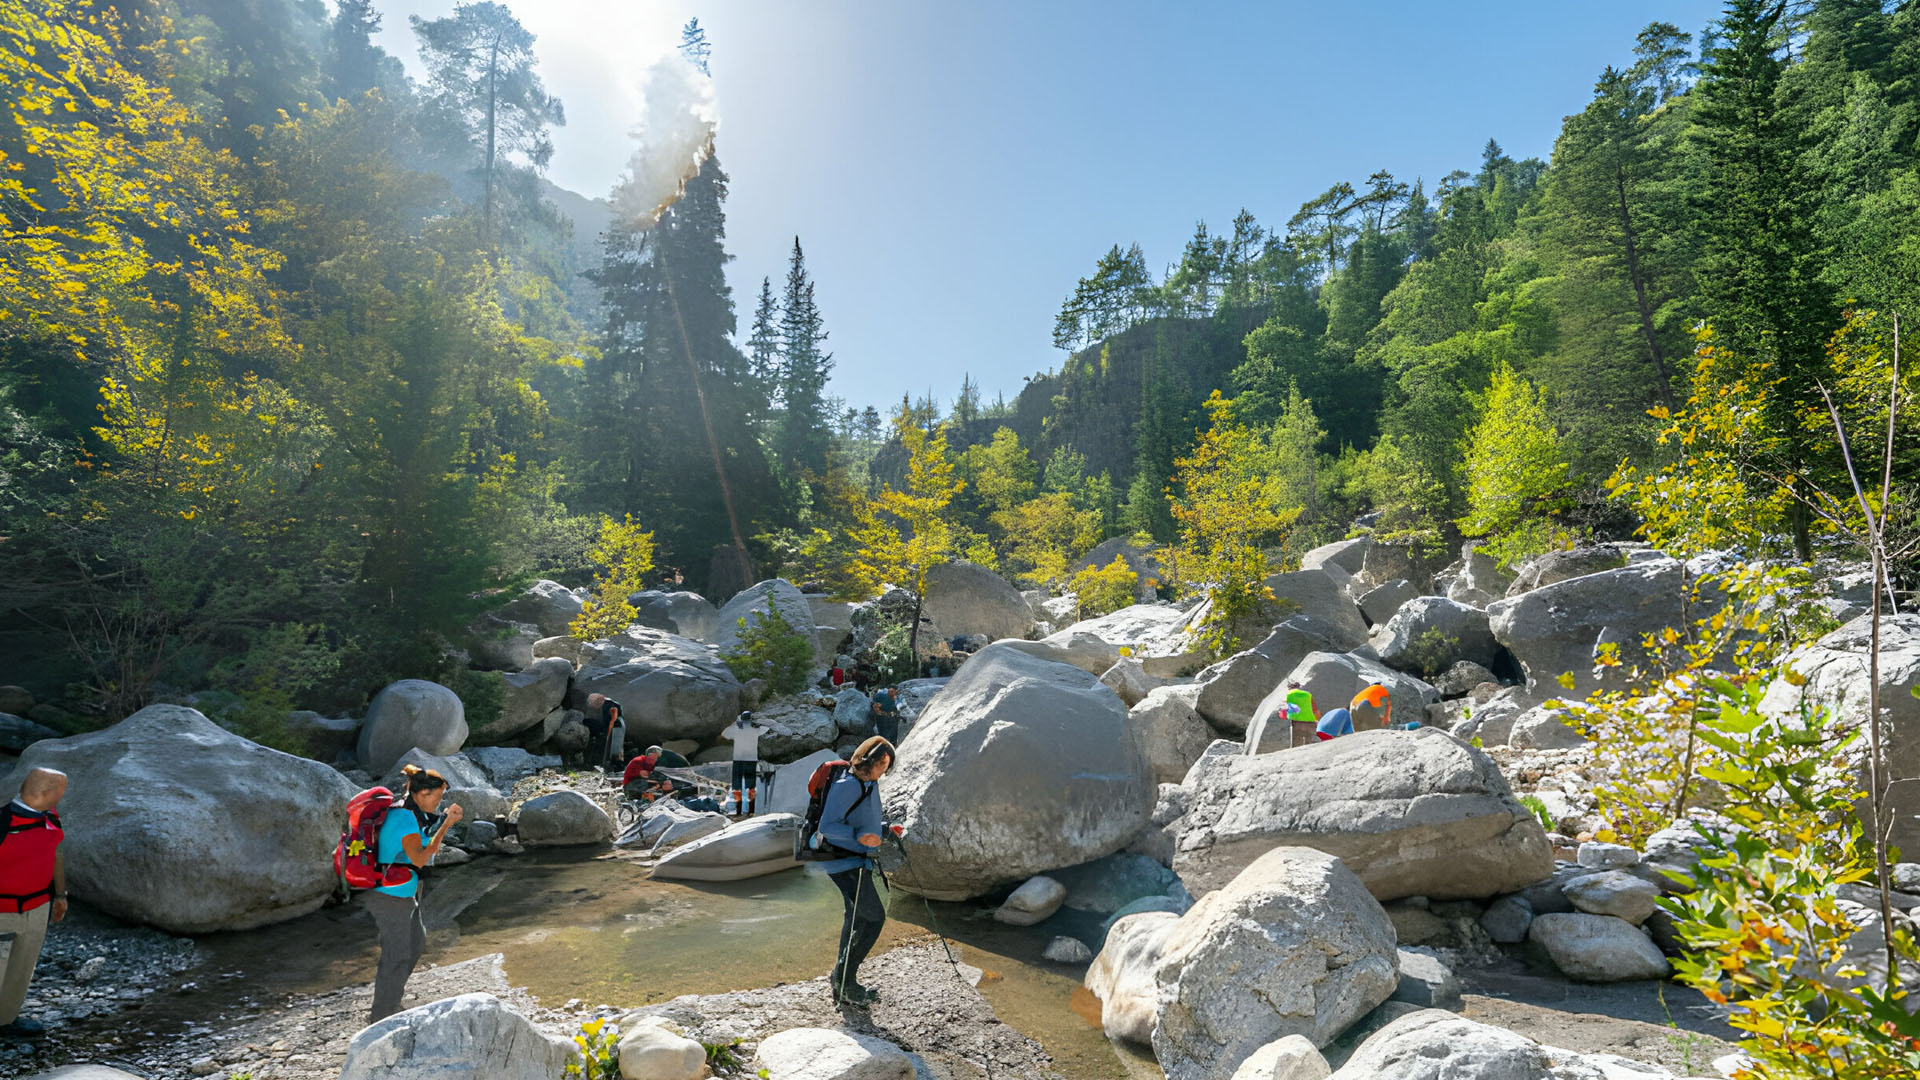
pixel 803 438
pixel 694 45
pixel 480 66
pixel 763 350
pixel 354 62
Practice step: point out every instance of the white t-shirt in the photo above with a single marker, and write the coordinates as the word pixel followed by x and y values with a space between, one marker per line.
pixel 745 739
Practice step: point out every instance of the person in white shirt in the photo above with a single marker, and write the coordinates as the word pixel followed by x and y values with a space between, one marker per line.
pixel 745 734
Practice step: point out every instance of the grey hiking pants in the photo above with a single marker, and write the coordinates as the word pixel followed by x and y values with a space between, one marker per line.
pixel 403 937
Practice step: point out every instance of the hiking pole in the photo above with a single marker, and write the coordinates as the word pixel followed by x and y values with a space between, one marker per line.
pixel 933 922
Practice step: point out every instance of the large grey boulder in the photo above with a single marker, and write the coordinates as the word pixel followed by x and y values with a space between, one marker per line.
pixel 1430 634
pixel 967 598
pixel 671 687
pixel 1348 555
pixel 1597 948
pixel 548 605
pixel 1032 903
pixel 1613 892
pixel 771 595
pixel 1232 690
pixel 826 1054
pixel 527 698
pixel 1315 593
pixel 1385 562
pixel 1432 1044
pixel 807 727
pixel 410 713
pixel 1554 630
pixel 853 712
pixel 1020 766
pixel 1413 813
pixel 18 733
pixel 1477 579
pixel 1293 945
pixel 1333 679
pixel 1837 678
pixel 467 783
pixel 564 819
pixel 178 823
pixel 470 1037
pixel 1380 603
pixel 1554 567
pixel 687 614
pixel 494 644
pixel 1170 733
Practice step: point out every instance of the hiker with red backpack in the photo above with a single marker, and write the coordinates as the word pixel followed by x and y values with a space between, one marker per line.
pixel 404 837
pixel 842 836
pixel 33 890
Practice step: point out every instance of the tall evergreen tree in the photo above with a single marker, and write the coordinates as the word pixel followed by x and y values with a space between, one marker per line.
pixel 354 62
pixel 804 436
pixel 1760 270
pixel 480 65
pixel 763 348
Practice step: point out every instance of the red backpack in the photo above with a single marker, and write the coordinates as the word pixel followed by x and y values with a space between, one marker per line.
pixel 356 857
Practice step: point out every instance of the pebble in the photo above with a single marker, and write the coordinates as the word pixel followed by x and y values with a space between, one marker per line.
pixel 204 1067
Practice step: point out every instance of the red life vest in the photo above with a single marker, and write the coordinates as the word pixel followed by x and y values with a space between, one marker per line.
pixel 28 844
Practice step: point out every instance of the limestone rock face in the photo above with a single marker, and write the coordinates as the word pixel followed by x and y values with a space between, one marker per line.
pixel 1412 813
pixel 410 713
pixel 1837 679
pixel 966 598
pixel 177 823
pixel 470 1037
pixel 1018 767
pixel 1293 945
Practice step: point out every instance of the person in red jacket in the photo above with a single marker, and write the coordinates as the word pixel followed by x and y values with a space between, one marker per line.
pixel 33 890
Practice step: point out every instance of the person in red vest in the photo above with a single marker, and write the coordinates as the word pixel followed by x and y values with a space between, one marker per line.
pixel 33 890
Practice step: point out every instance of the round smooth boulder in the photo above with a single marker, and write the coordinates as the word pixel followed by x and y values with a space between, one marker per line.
pixel 1292 946
pixel 470 1037
pixel 747 849
pixel 966 598
pixel 1019 766
pixel 1032 902
pixel 687 614
pixel 1597 948
pixel 670 687
pixel 548 605
pixel 564 819
pixel 410 713
pixel 177 823
pixel 1122 975
pixel 825 1054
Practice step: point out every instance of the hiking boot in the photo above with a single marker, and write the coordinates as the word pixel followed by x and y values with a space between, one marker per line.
pixel 852 993
pixel 23 1028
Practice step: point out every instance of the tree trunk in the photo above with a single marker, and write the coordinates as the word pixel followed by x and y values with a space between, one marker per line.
pixel 1641 303
pixel 913 635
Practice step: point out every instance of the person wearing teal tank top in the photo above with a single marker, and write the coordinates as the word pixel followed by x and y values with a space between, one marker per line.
pixel 406 844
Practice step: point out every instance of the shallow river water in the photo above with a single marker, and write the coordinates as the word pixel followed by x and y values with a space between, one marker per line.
pixel 599 931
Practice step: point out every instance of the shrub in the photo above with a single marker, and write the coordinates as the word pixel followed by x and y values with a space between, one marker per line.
pixel 773 650
pixel 1430 652
pixel 892 655
pixel 1101 589
pixel 625 554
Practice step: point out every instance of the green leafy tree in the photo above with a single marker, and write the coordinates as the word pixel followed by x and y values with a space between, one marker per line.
pixel 1517 480
pixel 903 533
pixel 624 554
pixel 771 649
pixel 1102 589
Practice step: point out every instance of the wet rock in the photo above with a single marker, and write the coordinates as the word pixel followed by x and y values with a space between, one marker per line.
pixel 407 714
pixel 1067 950
pixel 1039 897
pixel 471 1036
pixel 1106 885
pixel 1018 767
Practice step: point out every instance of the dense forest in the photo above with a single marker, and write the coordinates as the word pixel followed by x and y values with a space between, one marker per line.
pixel 302 359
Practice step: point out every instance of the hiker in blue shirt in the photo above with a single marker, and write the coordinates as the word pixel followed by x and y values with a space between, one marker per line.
pixel 408 840
pixel 851 821
pixel 886 714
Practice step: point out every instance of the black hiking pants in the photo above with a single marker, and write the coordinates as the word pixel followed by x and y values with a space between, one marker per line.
pixel 865 915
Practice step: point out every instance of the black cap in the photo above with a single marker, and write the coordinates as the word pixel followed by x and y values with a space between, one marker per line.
pixel 744 716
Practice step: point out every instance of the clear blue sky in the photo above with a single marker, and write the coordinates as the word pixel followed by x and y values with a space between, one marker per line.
pixel 952 169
